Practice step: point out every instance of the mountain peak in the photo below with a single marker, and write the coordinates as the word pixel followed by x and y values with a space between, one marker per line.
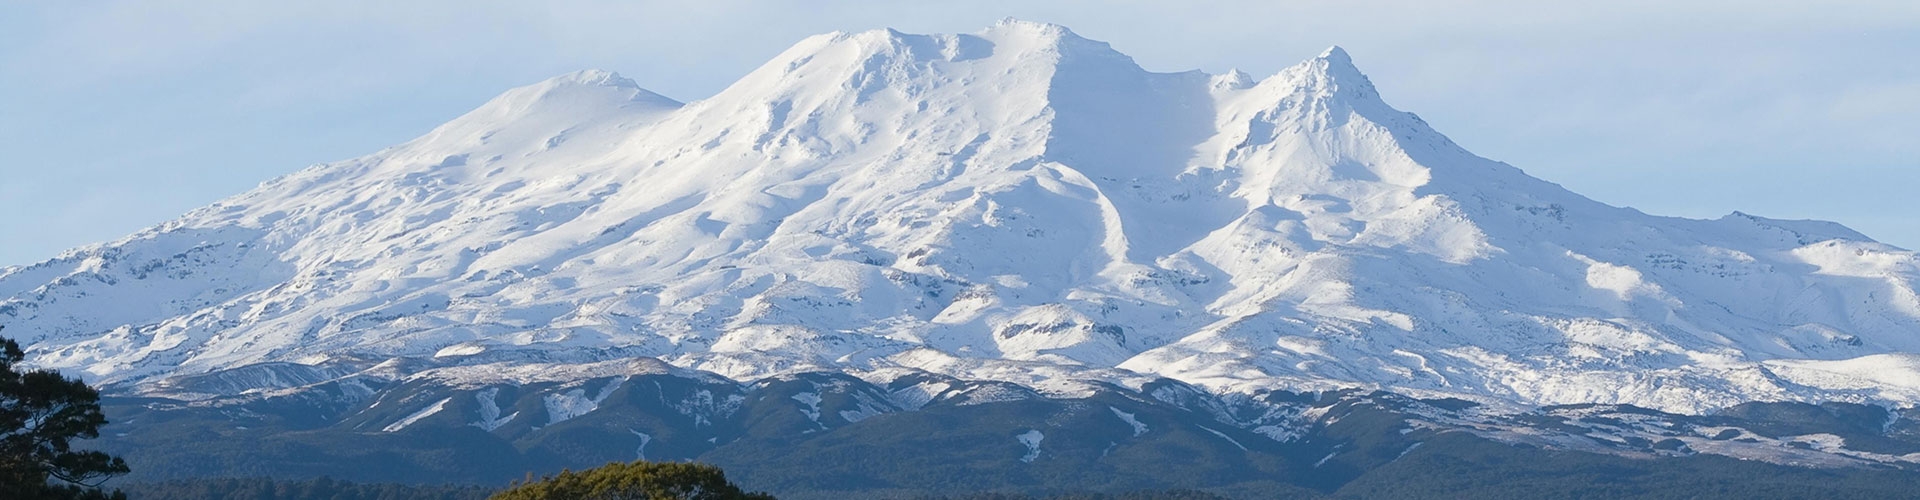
pixel 1019 204
pixel 1010 24
pixel 1048 37
pixel 1335 54
pixel 1330 75
pixel 593 77
pixel 574 85
pixel 1233 79
pixel 1334 67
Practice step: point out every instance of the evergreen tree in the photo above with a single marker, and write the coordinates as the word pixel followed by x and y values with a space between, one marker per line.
pixel 41 413
pixel 638 480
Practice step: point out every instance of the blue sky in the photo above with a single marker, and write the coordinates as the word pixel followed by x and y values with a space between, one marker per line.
pixel 118 115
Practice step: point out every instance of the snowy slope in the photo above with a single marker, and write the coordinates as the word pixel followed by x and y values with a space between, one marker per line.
pixel 1017 204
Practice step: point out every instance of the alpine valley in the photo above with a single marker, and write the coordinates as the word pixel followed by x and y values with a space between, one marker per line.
pixel 889 264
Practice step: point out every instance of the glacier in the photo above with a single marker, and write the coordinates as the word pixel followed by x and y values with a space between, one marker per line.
pixel 1019 204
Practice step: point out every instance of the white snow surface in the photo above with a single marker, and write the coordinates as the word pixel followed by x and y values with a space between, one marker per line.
pixel 490 417
pixel 1132 421
pixel 641 451
pixel 1224 436
pixel 1017 204
pixel 1031 440
pixel 574 402
pixel 812 402
pixel 416 416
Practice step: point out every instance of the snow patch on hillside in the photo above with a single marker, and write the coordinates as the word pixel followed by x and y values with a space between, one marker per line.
pixel 1031 440
pixel 563 406
pixel 1138 427
pixel 416 416
pixel 490 417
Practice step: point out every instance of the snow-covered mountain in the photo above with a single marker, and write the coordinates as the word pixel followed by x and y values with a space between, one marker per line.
pixel 1019 204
